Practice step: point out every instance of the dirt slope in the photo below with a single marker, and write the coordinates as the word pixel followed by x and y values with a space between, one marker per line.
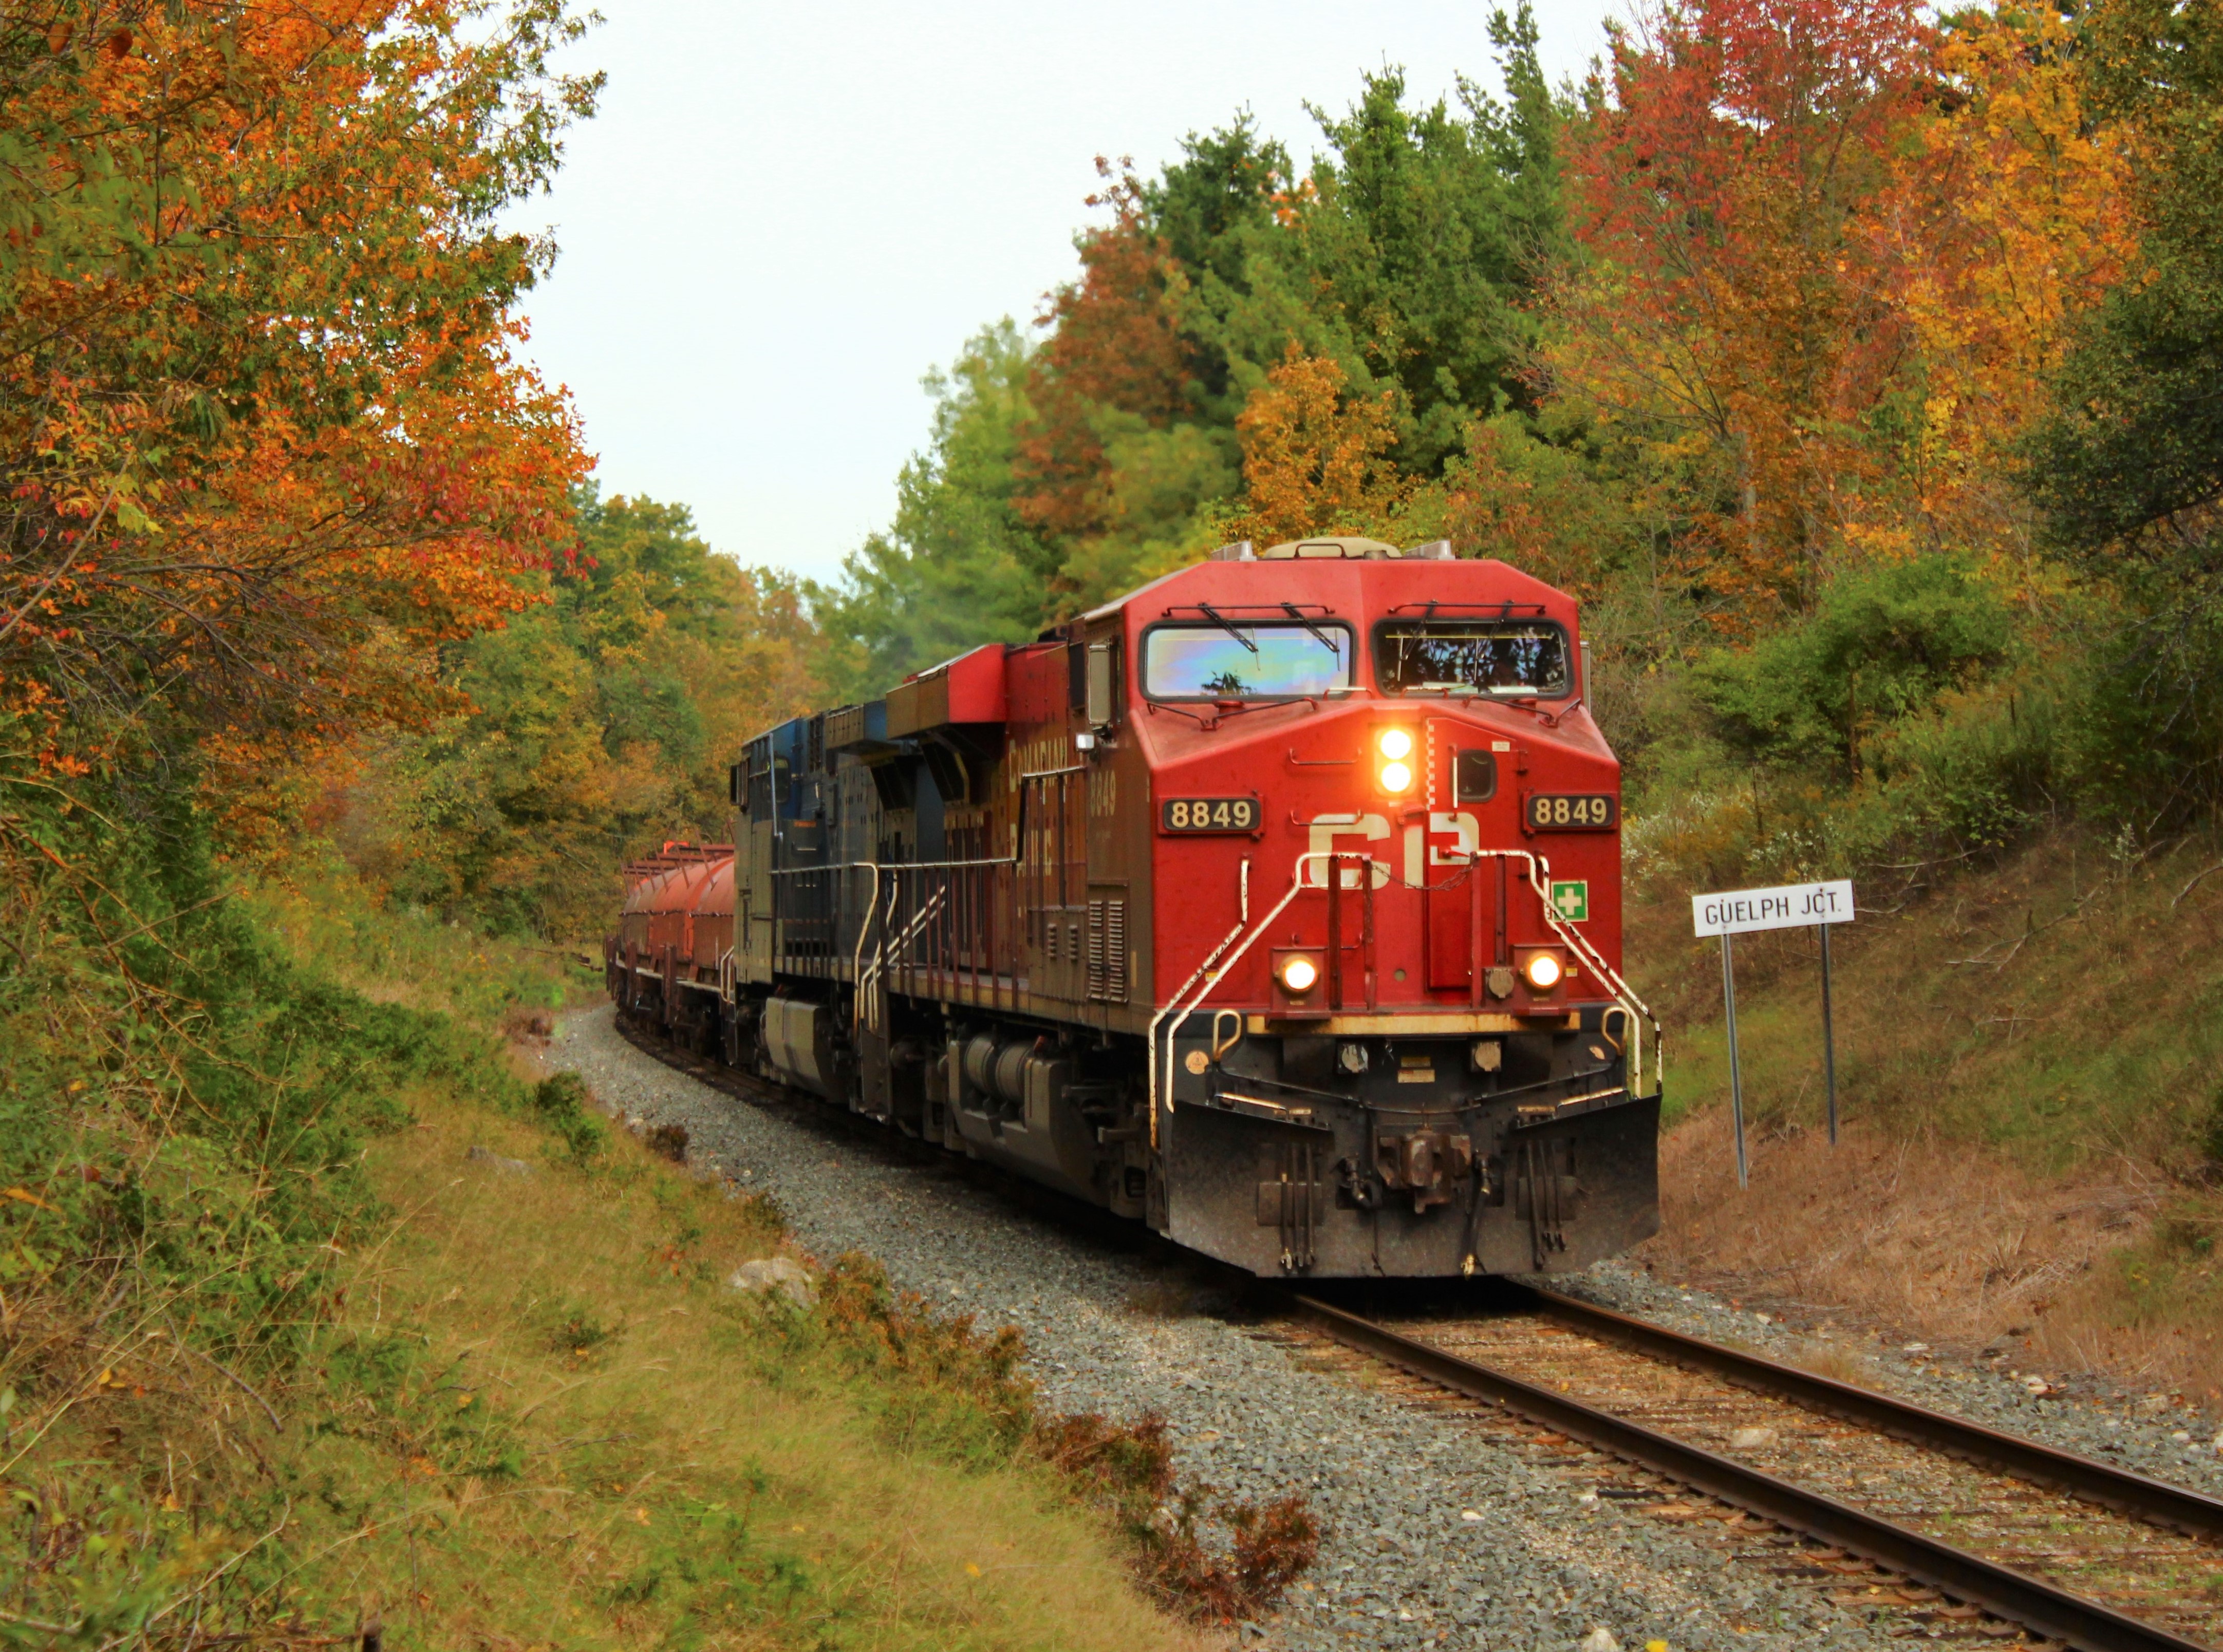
pixel 2029 1059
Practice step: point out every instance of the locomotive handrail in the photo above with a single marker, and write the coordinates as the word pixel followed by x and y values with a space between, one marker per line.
pixel 857 958
pixel 1579 944
pixel 878 968
pixel 875 867
pixel 1152 1036
pixel 1625 999
pixel 1296 885
pixel 1623 990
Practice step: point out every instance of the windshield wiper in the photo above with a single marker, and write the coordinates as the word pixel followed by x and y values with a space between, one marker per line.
pixel 1225 625
pixel 1333 647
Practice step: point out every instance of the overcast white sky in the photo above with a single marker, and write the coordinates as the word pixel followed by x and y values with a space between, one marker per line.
pixel 786 214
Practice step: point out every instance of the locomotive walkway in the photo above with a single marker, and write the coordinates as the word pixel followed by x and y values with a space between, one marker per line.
pixel 1971 1520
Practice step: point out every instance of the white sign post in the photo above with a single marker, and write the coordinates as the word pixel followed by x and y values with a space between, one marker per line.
pixel 1791 906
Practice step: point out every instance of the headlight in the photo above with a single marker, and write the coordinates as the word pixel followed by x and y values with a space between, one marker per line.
pixel 1543 970
pixel 1299 975
pixel 1396 777
pixel 1394 743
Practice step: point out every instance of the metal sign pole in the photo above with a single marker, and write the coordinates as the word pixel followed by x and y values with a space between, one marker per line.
pixel 1736 1077
pixel 1829 1037
pixel 1791 906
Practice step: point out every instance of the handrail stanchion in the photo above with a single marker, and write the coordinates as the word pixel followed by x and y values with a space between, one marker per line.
pixel 1335 932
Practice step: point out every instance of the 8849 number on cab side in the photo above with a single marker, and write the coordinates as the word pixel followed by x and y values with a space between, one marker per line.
pixel 1195 815
pixel 1569 811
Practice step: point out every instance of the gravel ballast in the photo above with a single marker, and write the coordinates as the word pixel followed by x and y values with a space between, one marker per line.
pixel 2157 1435
pixel 1436 1531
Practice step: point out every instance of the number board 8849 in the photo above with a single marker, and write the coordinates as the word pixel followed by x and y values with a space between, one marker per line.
pixel 1569 811
pixel 1189 815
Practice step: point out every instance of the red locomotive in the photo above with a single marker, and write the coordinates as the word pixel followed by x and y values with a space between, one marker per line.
pixel 1276 904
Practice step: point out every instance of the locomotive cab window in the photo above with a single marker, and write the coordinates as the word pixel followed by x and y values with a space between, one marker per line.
pixel 1474 777
pixel 1472 657
pixel 1236 661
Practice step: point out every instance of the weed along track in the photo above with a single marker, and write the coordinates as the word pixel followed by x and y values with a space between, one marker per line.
pixel 1961 1530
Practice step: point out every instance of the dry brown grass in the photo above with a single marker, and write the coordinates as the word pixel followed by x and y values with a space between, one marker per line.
pixel 1955 1244
pixel 2027 1059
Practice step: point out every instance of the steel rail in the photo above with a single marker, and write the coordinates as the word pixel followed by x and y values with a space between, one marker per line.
pixel 2006 1594
pixel 2191 1512
pixel 1999 1590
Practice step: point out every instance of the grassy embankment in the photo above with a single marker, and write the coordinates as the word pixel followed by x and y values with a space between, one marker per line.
pixel 2031 1077
pixel 259 1395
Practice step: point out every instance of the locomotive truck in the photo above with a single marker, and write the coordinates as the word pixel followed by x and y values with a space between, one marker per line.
pixel 1275 904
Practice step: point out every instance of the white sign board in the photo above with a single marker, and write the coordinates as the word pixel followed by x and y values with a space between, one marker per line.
pixel 1793 906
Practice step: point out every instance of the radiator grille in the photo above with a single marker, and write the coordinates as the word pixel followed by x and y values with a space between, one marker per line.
pixel 1107 950
pixel 845 726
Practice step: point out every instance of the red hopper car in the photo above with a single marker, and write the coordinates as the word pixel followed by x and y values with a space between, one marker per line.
pixel 1276 904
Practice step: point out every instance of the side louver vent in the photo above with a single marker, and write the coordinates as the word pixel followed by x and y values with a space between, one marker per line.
pixel 1107 950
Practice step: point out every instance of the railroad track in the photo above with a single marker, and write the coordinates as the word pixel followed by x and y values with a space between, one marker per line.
pixel 1986 1529
pixel 1976 1521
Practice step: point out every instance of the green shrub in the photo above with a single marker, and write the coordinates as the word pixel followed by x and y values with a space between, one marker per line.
pixel 1964 779
pixel 1884 644
pixel 2143 746
pixel 564 1105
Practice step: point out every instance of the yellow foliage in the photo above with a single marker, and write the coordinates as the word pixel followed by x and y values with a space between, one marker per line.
pixel 1314 459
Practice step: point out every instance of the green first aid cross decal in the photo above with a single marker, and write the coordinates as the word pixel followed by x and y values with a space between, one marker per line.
pixel 1571 901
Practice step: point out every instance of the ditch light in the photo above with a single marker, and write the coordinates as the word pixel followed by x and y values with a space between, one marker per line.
pixel 1542 971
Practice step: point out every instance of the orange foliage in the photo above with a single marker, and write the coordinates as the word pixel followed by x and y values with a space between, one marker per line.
pixel 2006 215
pixel 264 438
pixel 1115 347
pixel 1314 461
pixel 1830 247
pixel 1721 190
pixel 1494 511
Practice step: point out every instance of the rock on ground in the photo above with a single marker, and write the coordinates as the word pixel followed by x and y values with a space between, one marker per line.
pixel 781 1274
pixel 495 1162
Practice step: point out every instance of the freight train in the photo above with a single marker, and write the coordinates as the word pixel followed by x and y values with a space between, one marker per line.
pixel 1275 904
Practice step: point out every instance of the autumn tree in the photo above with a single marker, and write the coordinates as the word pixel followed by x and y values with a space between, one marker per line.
pixel 2132 462
pixel 1115 348
pixel 601 721
pixel 1725 303
pixel 264 437
pixel 1315 459
pixel 1826 249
